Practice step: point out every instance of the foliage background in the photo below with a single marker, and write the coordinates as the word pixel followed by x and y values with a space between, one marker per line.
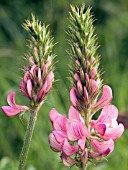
pixel 112 30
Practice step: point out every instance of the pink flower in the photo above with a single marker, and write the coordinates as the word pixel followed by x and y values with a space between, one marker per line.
pixel 13 109
pixel 106 125
pixel 68 130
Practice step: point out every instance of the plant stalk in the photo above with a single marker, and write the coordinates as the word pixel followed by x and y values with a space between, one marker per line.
pixel 28 138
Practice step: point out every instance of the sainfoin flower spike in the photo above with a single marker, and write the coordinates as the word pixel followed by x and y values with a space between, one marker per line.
pixel 79 138
pixel 37 80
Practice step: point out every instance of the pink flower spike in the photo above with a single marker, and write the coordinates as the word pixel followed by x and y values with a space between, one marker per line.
pixel 13 109
pixel 55 146
pixel 69 149
pixel 105 98
pixel 102 147
pixel 73 97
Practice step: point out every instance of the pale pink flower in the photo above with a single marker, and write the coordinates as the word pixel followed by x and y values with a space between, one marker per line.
pixel 13 109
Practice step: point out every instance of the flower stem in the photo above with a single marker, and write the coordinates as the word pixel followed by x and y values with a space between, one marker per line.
pixel 27 139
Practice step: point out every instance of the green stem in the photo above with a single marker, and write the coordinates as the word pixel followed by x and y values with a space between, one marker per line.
pixel 27 139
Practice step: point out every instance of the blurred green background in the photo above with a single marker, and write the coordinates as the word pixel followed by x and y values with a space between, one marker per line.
pixel 111 21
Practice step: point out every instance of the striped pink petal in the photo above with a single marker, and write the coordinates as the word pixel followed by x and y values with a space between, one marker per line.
pixel 114 133
pixel 105 98
pixel 60 123
pixel 69 149
pixel 76 130
pixel 53 114
pixel 108 114
pixel 59 135
pixel 73 114
pixel 10 111
pixel 11 99
pixel 102 147
pixel 55 146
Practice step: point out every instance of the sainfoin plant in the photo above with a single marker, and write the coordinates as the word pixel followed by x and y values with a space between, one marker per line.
pixel 80 138
pixel 37 80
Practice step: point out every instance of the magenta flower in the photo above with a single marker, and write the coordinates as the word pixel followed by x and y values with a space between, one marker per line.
pixel 13 109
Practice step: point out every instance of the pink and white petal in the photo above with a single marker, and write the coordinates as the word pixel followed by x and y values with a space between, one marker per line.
pixel 59 135
pixel 29 88
pixel 108 114
pixel 73 97
pixel 100 128
pixel 67 161
pixel 101 147
pixel 11 99
pixel 105 98
pixel 114 133
pixel 55 146
pixel 69 149
pixel 9 111
pixel 76 130
pixel 73 114
pixel 81 143
pixel 53 114
pixel 60 123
